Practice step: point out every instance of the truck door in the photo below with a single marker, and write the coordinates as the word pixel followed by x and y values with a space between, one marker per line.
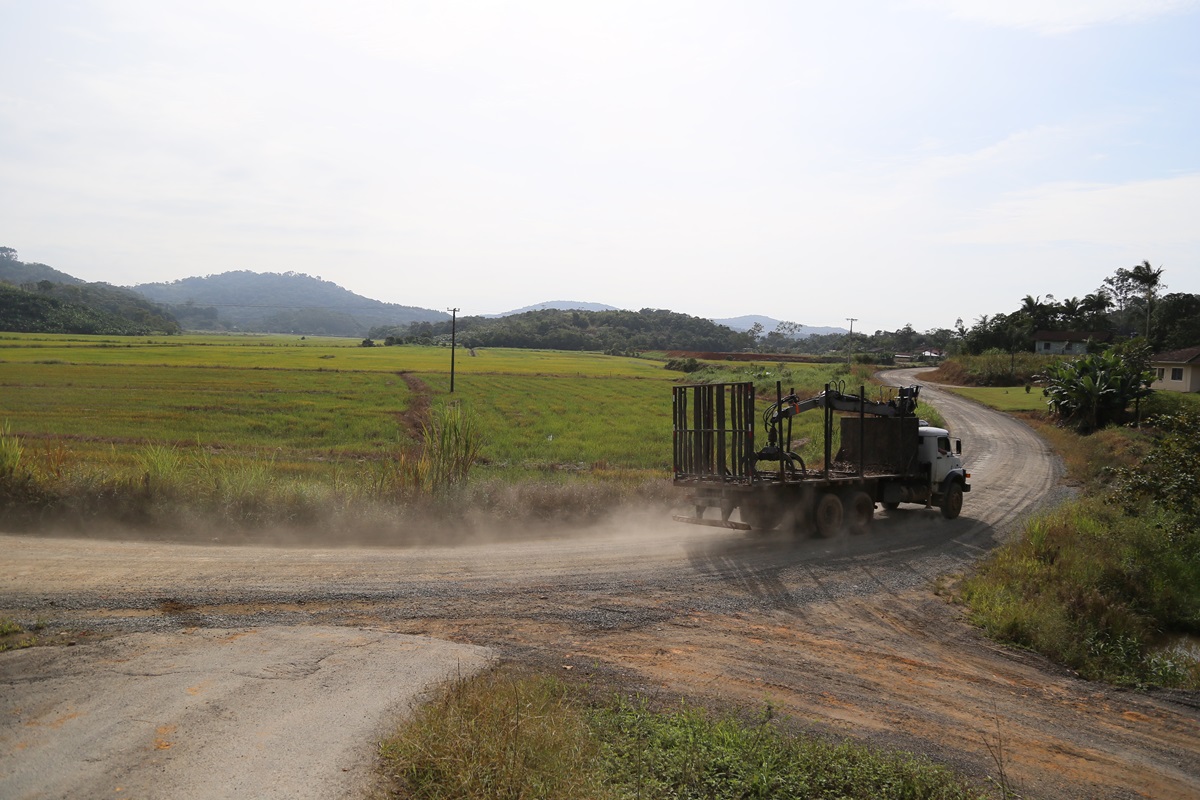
pixel 944 459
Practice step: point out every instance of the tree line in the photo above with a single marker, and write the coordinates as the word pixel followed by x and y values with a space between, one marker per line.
pixel 615 331
pixel 1130 302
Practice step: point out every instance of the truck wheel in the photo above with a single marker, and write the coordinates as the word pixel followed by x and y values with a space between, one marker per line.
pixel 892 505
pixel 761 516
pixel 952 501
pixel 861 510
pixel 828 516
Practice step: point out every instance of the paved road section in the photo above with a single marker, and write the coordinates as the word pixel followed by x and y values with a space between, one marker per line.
pixel 281 712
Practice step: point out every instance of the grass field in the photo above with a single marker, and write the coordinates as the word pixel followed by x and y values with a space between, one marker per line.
pixel 1009 399
pixel 308 422
pixel 328 398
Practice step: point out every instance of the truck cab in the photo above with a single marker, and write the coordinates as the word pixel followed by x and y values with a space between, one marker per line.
pixel 943 456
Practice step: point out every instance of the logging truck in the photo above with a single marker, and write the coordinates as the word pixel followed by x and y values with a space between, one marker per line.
pixel 885 455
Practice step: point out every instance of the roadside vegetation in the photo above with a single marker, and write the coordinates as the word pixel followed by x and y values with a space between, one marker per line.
pixel 1108 583
pixel 505 735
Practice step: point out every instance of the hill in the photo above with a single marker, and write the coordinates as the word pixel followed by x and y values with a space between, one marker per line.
pixel 39 311
pixel 20 273
pixel 35 298
pixel 287 302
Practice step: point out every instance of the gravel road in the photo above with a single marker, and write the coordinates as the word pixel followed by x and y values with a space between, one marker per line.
pixel 846 636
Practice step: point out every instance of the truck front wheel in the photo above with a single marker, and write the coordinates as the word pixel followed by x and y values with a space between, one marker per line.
pixel 952 501
pixel 829 515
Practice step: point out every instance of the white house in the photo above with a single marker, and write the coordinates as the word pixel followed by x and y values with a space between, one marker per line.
pixel 1067 342
pixel 1177 371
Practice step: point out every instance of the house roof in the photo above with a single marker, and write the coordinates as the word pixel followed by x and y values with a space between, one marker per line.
pixel 1184 356
pixel 1072 336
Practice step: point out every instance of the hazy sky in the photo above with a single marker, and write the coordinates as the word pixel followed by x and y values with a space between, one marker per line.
pixel 898 162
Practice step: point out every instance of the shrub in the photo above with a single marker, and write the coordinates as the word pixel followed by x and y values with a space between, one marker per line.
pixel 684 365
pixel 1094 390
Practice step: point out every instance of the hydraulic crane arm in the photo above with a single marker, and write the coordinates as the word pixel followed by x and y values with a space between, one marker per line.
pixel 790 406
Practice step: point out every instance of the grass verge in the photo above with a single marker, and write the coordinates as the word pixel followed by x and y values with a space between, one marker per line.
pixel 1100 591
pixel 1109 584
pixel 506 735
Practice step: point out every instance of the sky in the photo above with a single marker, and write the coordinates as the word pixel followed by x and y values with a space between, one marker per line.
pixel 894 162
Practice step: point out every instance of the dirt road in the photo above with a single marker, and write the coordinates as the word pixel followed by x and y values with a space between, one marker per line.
pixel 846 636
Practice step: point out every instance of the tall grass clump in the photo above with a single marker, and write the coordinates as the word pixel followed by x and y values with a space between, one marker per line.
pixel 504 736
pixel 162 468
pixel 10 453
pixel 451 445
pixel 496 736
pixel 22 496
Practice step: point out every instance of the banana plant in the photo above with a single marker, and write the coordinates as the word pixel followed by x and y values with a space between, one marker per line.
pixel 1095 390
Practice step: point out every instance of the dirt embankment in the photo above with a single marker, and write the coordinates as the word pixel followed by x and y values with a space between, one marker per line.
pixel 847 636
pixel 768 358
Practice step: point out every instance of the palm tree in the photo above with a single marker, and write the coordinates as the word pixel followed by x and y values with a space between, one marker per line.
pixel 1071 311
pixel 1097 302
pixel 1040 314
pixel 1148 280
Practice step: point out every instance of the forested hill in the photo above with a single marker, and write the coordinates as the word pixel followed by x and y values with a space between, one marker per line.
pixel 555 329
pixel 35 298
pixel 20 273
pixel 287 302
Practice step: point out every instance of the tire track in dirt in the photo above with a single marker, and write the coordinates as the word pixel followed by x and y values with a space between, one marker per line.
pixel 415 417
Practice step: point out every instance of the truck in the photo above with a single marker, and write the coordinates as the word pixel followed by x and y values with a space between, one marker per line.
pixel 887 455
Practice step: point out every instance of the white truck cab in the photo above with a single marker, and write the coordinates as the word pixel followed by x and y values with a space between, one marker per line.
pixel 942 452
pixel 942 455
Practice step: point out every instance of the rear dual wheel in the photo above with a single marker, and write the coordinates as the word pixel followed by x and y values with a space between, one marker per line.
pixel 860 511
pixel 832 516
pixel 829 515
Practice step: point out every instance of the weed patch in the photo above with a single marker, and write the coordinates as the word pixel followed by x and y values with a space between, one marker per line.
pixel 13 636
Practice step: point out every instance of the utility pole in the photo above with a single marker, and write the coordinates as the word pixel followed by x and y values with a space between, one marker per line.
pixel 453 330
pixel 849 336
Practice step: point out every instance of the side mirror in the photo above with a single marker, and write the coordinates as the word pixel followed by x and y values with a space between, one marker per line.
pixel 958 446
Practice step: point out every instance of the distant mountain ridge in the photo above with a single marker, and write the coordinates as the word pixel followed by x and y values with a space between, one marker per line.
pixel 746 322
pixel 291 302
pixel 287 302
pixel 558 305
